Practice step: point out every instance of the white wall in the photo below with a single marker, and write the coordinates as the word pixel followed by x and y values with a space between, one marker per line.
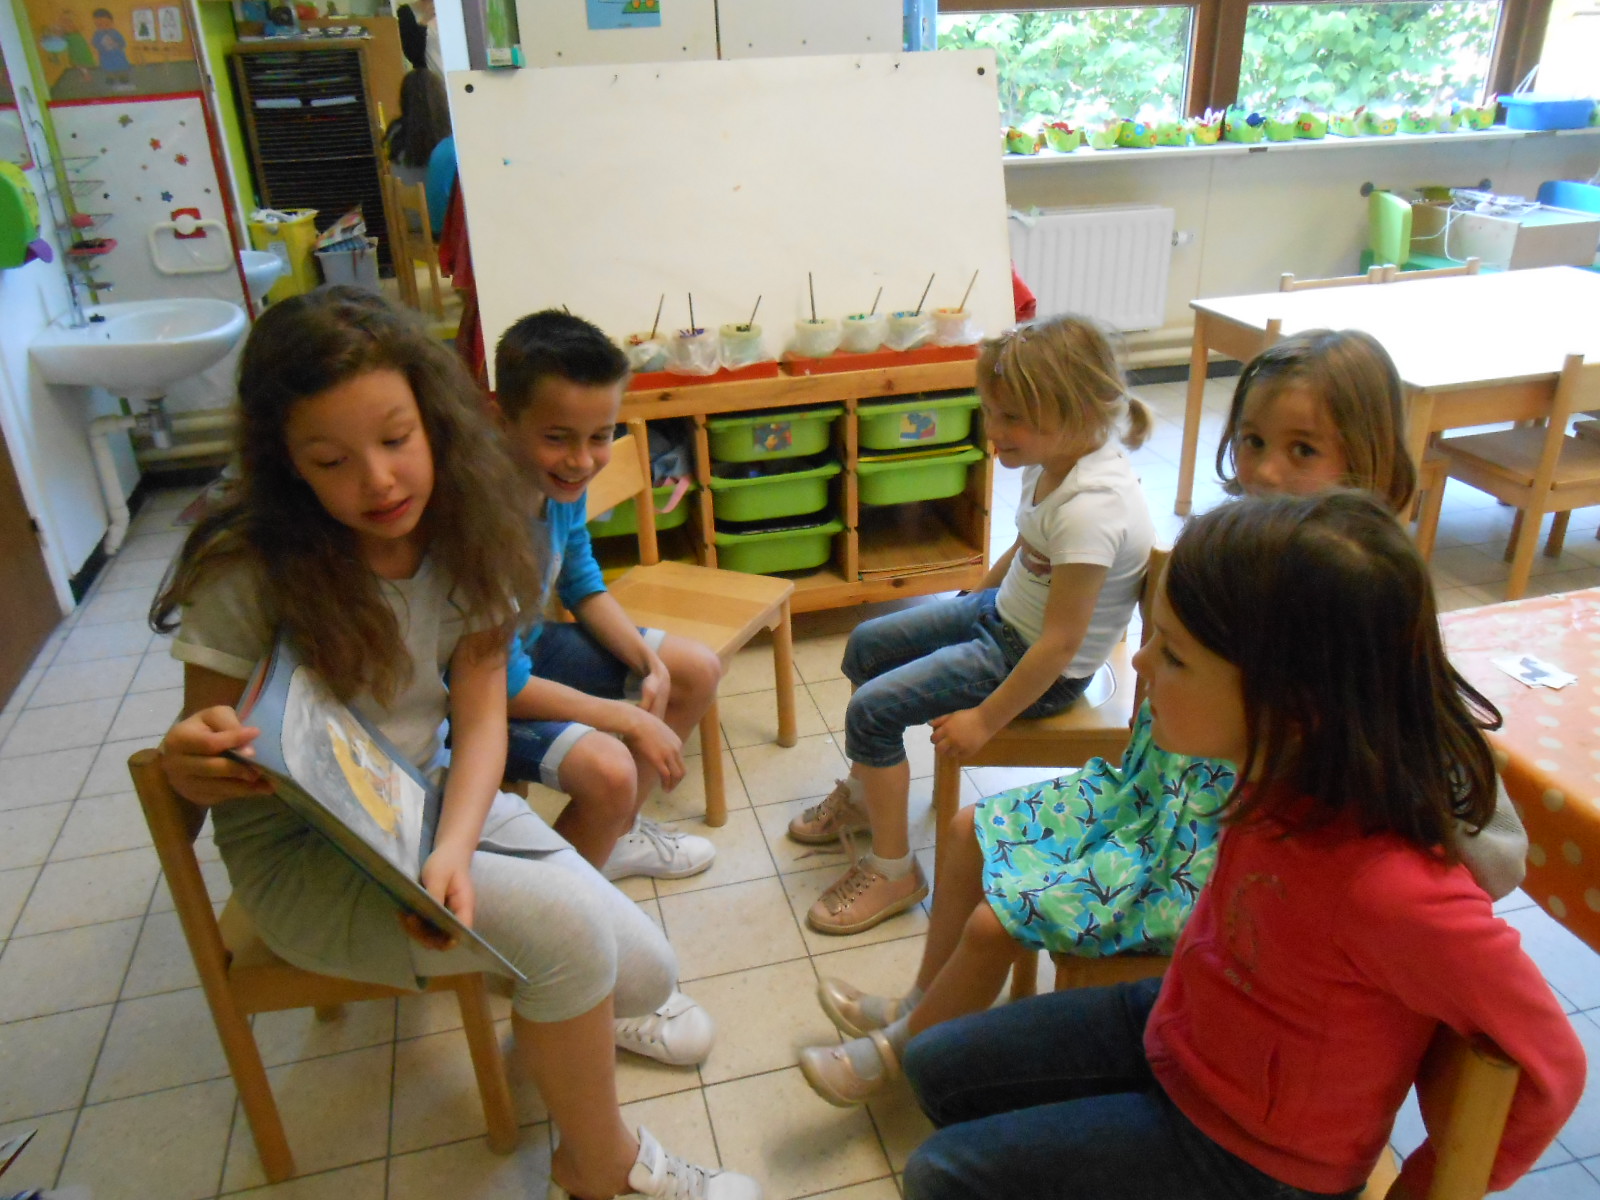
pixel 1256 216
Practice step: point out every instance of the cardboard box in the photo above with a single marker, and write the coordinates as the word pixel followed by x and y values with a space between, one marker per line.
pixel 1545 237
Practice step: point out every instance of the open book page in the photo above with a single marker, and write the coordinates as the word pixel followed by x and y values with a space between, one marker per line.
pixel 349 783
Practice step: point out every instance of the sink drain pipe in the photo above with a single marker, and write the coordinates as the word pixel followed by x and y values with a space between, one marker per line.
pixel 155 424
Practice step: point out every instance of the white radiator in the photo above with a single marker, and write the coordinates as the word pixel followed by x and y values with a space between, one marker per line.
pixel 1109 262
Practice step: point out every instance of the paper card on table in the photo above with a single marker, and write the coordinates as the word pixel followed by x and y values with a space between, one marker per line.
pixel 1534 671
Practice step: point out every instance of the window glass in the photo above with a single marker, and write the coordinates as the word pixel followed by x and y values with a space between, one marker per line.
pixel 1341 56
pixel 1067 62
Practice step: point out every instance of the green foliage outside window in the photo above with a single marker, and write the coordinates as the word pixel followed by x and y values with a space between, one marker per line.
pixel 1080 61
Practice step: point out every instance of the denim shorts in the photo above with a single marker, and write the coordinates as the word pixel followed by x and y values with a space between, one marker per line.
pixel 568 653
pixel 926 661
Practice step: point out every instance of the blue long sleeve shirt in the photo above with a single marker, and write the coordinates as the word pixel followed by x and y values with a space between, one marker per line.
pixel 571 570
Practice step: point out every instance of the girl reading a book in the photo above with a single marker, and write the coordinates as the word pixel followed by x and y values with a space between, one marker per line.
pixel 371 530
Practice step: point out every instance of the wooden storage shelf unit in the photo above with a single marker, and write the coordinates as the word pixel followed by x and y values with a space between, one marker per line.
pixel 884 552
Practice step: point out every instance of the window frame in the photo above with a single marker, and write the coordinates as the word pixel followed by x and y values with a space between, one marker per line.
pixel 1216 40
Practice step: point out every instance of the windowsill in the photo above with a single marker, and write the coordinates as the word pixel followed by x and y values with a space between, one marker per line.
pixel 1228 149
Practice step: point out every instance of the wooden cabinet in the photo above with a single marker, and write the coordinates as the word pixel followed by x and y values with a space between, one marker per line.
pixel 313 130
pixel 885 551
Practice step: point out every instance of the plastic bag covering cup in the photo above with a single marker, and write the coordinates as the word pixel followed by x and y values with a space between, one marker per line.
pixel 816 339
pixel 953 327
pixel 908 330
pixel 646 353
pixel 741 345
pixel 693 352
pixel 862 333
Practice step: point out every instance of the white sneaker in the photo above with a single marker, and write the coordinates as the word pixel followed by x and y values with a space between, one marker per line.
pixel 657 1175
pixel 651 849
pixel 680 1032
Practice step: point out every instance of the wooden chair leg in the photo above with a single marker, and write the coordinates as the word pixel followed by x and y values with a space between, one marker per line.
pixel 500 1117
pixel 946 800
pixel 1522 549
pixel 1025 975
pixel 711 766
pixel 783 676
pixel 433 284
pixel 255 1091
pixel 1558 534
pixel 1516 532
pixel 1428 519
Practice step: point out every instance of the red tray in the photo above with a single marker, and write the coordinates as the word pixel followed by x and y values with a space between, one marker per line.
pixel 648 381
pixel 846 361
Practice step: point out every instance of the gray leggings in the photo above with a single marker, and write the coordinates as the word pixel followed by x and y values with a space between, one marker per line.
pixel 571 932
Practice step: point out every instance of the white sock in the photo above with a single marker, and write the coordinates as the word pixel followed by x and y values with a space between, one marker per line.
pixel 858 793
pixel 864 1057
pixel 894 868
pixel 899 1033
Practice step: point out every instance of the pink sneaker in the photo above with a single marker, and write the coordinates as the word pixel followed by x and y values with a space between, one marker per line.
pixel 828 820
pixel 864 898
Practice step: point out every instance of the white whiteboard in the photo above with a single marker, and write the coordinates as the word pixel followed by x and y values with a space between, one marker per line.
pixel 769 28
pixel 603 187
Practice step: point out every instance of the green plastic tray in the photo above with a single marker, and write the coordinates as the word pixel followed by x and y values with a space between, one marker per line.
pixel 790 495
pixel 921 421
pixel 783 550
pixel 624 518
pixel 890 482
pixel 781 433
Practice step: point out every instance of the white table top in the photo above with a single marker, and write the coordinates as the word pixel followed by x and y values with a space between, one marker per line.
pixel 1459 331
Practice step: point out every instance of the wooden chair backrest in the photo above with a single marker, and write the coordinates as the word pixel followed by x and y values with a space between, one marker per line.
pixel 1465 1089
pixel 174 824
pixel 627 477
pixel 412 200
pixel 1288 283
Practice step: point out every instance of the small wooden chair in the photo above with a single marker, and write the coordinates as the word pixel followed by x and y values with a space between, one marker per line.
pixel 412 238
pixel 1465 1089
pixel 1432 476
pixel 1288 283
pixel 1470 267
pixel 719 609
pixel 1537 468
pixel 1098 725
pixel 241 976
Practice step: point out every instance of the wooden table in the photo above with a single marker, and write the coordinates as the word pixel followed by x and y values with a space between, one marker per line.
pixel 1549 748
pixel 1471 349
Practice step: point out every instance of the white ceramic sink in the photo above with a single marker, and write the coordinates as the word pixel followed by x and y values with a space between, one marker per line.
pixel 138 348
pixel 262 269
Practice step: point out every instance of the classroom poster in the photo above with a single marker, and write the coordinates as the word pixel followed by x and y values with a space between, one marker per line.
pixel 103 49
pixel 624 14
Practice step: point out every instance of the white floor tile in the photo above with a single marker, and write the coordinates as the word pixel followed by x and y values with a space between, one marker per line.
pixel 773 774
pixel 60 727
pixel 113 640
pixel 364 1182
pixel 38 1165
pixel 109 771
pixel 436 1098
pixel 132 604
pixel 102 825
pixel 167 1144
pixel 158 1042
pixel 27 834
pixel 147 715
pixel 741 854
pixel 82 891
pixel 296 1033
pixel 731 928
pixel 157 669
pixel 764 1017
pixel 14 888
pixel 45 1062
pixel 161 960
pixel 45 778
pixel 753 717
pixel 68 683
pixel 469 1171
pixel 72 968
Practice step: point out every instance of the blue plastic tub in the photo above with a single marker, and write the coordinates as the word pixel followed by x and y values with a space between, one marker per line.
pixel 1530 110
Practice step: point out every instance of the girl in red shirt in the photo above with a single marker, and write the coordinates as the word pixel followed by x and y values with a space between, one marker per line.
pixel 1298 639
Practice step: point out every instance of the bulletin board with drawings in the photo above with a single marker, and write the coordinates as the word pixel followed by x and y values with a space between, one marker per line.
pixel 114 49
pixel 732 180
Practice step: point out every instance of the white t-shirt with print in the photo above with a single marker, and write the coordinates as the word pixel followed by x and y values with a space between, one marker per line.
pixel 1097 515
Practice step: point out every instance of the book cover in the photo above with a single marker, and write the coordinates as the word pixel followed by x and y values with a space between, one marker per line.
pixel 349 783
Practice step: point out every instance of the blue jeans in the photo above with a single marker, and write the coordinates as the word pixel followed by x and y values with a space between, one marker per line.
pixel 1052 1097
pixel 924 662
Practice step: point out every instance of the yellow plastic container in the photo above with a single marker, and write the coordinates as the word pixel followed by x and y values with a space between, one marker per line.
pixel 291 240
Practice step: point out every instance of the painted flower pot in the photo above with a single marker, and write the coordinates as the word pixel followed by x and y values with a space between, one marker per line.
pixel 1019 141
pixel 1416 121
pixel 1136 135
pixel 1205 133
pixel 1171 133
pixel 1311 125
pixel 1378 126
pixel 1346 124
pixel 1062 138
pixel 1280 129
pixel 1240 126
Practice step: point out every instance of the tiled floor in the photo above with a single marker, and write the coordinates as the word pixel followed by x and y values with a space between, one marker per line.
pixel 106 1046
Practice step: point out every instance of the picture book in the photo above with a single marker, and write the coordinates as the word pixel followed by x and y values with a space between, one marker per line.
pixel 349 783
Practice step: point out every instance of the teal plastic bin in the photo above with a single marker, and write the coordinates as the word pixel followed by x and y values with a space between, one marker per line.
pixel 767 552
pixel 774 494
pixel 779 433
pixel 624 518
pixel 930 420
pixel 899 480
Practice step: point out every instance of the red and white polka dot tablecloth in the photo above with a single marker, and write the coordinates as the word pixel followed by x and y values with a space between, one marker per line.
pixel 1549 748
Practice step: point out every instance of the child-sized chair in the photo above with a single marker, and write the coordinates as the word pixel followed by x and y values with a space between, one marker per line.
pixel 1389 236
pixel 719 609
pixel 241 976
pixel 1376 273
pixel 413 244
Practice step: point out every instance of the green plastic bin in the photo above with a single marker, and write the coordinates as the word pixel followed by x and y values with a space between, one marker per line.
pixel 783 433
pixel 791 494
pixel 779 550
pixel 624 518
pixel 932 477
pixel 930 420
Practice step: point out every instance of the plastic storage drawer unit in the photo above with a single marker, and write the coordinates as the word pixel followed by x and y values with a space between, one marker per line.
pixel 790 547
pixel 899 479
pixel 780 433
pixel 624 518
pixel 741 493
pixel 921 421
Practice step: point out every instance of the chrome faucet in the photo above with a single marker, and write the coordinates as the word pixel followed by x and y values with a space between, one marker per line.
pixel 75 281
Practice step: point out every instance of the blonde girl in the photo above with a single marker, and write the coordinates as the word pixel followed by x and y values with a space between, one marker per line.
pixel 376 527
pixel 1027 640
pixel 1109 860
